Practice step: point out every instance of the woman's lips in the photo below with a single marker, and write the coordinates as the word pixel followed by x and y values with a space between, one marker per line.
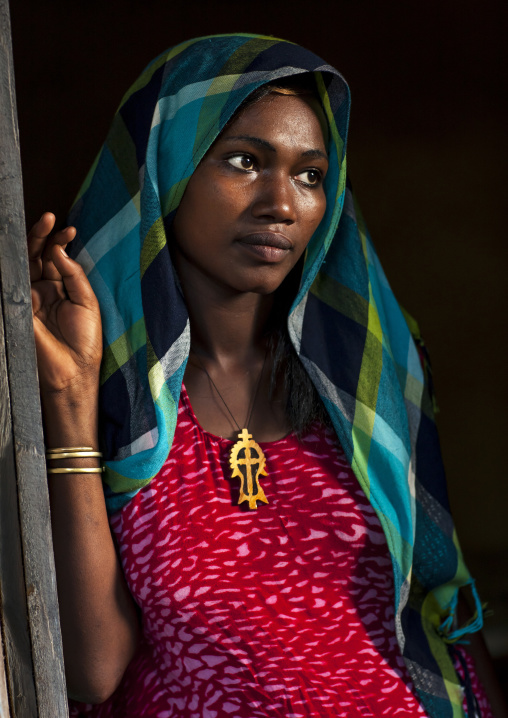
pixel 269 246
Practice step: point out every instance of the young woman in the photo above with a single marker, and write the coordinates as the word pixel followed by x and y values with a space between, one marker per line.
pixel 272 472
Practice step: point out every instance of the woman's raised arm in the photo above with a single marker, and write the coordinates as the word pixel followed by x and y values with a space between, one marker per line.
pixel 98 616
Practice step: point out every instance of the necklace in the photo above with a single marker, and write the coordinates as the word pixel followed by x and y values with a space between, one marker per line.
pixel 246 460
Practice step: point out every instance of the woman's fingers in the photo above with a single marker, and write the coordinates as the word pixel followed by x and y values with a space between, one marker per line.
pixel 62 239
pixel 38 235
pixel 36 241
pixel 75 281
pixel 40 245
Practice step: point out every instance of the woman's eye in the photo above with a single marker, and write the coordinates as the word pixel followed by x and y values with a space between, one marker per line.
pixel 241 162
pixel 310 177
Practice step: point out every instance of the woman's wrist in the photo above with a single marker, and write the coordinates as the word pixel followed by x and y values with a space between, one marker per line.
pixel 71 419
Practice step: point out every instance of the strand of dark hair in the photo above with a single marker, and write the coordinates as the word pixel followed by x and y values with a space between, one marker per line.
pixel 303 404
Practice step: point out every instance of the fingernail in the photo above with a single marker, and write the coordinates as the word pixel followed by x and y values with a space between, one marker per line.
pixel 63 252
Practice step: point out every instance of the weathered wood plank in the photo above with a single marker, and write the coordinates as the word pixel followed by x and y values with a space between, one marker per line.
pixel 14 622
pixel 4 698
pixel 28 444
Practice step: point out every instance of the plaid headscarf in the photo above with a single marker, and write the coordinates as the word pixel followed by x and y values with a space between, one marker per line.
pixel 345 324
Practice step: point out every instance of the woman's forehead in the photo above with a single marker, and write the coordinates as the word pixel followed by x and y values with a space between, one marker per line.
pixel 297 113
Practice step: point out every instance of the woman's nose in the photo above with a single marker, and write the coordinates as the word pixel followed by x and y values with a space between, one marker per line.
pixel 275 199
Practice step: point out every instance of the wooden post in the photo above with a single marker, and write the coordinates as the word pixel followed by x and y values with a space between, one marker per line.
pixel 4 698
pixel 31 671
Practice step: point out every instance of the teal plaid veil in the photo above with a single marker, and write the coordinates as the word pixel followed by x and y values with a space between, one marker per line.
pixel 345 325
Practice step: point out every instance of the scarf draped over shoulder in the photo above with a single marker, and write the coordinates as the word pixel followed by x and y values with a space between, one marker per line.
pixel 363 354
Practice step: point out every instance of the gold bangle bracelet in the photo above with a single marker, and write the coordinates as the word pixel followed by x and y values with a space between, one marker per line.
pixel 69 448
pixel 73 455
pixel 80 470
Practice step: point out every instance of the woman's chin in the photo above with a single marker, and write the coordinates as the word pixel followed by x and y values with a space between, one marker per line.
pixel 263 280
pixel 262 288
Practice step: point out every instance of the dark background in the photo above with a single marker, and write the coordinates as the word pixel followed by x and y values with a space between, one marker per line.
pixel 428 157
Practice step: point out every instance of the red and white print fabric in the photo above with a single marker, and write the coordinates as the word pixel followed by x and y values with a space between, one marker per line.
pixel 282 612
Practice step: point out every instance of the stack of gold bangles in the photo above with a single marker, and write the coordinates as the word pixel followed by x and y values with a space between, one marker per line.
pixel 74 452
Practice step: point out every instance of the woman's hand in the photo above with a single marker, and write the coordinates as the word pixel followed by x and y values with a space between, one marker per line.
pixel 67 322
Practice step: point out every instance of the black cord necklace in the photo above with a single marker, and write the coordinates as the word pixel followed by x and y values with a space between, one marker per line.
pixel 247 460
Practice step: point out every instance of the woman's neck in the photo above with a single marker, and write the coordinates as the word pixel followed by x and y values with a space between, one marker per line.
pixel 227 328
pixel 229 347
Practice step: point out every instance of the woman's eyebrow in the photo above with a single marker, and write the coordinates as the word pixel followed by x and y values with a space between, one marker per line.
pixel 267 145
pixel 315 153
pixel 252 140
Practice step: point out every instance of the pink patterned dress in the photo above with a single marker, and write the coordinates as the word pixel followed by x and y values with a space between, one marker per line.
pixel 282 612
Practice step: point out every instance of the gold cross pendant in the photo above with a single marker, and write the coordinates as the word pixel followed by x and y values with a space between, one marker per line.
pixel 248 462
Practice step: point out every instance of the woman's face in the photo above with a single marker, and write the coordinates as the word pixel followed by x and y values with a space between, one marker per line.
pixel 254 201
